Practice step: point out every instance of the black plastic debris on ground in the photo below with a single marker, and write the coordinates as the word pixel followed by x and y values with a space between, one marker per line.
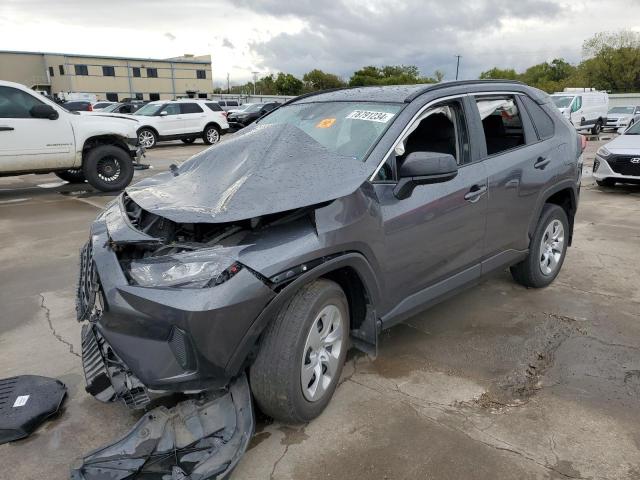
pixel 27 401
pixel 197 439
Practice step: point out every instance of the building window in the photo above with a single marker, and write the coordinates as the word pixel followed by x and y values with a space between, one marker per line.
pixel 61 69
pixel 152 72
pixel 81 70
pixel 201 74
pixel 108 71
pixel 136 71
pixel 138 96
pixel 51 71
pixel 112 97
pixel 154 96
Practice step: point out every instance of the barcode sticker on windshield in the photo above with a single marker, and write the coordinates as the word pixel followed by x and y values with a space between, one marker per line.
pixel 382 117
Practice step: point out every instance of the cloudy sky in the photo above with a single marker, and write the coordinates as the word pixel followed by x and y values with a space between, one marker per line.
pixel 340 36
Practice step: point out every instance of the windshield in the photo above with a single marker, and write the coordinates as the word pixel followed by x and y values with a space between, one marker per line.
pixel 633 129
pixel 150 109
pixel 346 128
pixel 625 110
pixel 254 107
pixel 562 101
pixel 111 108
pixel 244 107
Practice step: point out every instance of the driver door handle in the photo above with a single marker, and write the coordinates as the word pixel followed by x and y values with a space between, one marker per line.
pixel 5 129
pixel 474 194
pixel 541 163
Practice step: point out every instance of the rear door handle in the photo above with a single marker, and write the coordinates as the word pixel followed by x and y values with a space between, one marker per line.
pixel 5 129
pixel 474 194
pixel 541 163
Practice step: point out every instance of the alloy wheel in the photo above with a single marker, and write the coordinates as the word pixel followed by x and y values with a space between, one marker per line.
pixel 551 247
pixel 108 169
pixel 146 139
pixel 213 135
pixel 321 357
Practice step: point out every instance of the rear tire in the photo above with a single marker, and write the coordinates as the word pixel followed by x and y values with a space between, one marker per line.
pixel 547 249
pixel 72 175
pixel 299 351
pixel 188 140
pixel 108 168
pixel 211 135
pixel 597 128
pixel 607 182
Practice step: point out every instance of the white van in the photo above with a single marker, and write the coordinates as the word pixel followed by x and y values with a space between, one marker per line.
pixel 585 108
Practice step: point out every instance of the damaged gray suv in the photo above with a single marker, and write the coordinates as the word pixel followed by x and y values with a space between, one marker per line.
pixel 328 220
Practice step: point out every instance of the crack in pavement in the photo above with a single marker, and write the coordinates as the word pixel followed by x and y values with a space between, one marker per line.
pixel 56 335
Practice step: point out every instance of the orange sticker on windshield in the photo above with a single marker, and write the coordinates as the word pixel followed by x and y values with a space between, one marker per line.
pixel 326 123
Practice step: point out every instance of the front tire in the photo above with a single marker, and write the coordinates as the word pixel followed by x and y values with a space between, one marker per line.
pixel 108 168
pixel 302 354
pixel 72 175
pixel 211 135
pixel 147 138
pixel 547 249
pixel 606 182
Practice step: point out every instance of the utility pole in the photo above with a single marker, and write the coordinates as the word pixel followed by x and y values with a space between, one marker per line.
pixel 457 65
pixel 255 79
pixel 228 88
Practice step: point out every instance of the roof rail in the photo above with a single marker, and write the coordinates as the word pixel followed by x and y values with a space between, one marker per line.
pixel 455 83
pixel 313 94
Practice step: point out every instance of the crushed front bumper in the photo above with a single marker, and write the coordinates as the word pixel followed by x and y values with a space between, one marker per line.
pixel 140 342
pixel 201 438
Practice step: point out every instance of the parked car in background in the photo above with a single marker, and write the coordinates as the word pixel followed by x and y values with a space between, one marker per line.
pixel 39 136
pixel 329 220
pixel 101 104
pixel 619 160
pixel 622 117
pixel 585 108
pixel 126 108
pixel 242 118
pixel 183 120
pixel 228 104
pixel 78 106
pixel 240 108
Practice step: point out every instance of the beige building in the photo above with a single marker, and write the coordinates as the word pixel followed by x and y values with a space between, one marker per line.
pixel 110 78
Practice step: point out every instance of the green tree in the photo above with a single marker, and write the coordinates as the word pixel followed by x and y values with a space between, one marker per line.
pixel 612 61
pixel 287 84
pixel 390 75
pixel 319 80
pixel 499 74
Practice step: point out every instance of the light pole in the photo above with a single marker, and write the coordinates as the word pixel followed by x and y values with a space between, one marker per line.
pixel 457 65
pixel 255 79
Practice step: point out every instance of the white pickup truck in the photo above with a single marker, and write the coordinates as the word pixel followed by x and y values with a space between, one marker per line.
pixel 39 136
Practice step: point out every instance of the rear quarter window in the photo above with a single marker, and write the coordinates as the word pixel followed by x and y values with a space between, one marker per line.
pixel 541 120
pixel 214 107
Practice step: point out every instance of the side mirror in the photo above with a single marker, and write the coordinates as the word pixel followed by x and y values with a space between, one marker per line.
pixel 424 168
pixel 164 113
pixel 44 111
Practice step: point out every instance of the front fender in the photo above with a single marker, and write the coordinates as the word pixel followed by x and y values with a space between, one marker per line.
pixel 353 260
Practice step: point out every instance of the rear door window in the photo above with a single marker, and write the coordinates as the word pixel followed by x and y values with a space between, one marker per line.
pixel 501 123
pixel 190 108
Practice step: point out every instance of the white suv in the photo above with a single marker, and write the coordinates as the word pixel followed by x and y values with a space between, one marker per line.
pixel 39 136
pixel 185 120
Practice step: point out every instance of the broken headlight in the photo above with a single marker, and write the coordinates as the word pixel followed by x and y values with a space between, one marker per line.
pixel 196 269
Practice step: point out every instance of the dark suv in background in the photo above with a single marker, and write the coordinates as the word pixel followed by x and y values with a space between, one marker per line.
pixel 328 220
pixel 242 118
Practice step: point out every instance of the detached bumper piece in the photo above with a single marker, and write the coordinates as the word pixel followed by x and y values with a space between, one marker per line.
pixel 26 402
pixel 196 440
pixel 107 377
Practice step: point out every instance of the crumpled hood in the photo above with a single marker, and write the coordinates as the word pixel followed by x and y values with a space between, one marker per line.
pixel 264 169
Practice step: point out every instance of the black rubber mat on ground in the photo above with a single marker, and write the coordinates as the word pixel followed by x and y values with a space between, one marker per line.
pixel 25 402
